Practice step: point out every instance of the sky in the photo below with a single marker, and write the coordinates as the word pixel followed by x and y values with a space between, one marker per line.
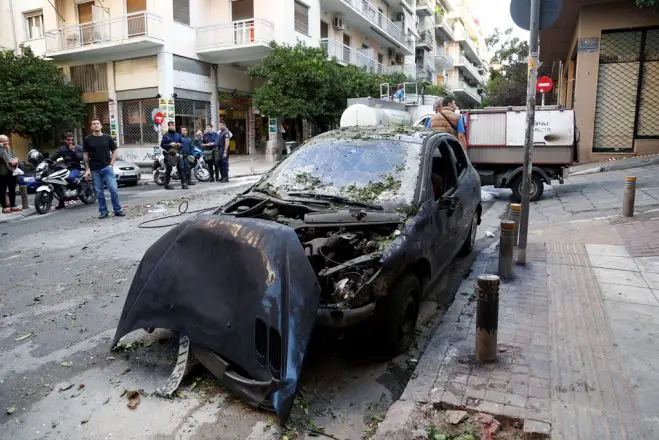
pixel 493 14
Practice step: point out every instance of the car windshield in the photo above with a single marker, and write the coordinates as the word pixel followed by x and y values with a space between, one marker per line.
pixel 376 171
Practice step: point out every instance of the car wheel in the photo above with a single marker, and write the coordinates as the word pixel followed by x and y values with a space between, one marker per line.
pixel 470 241
pixel 535 190
pixel 396 315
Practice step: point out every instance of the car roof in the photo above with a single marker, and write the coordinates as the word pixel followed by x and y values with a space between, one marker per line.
pixel 406 133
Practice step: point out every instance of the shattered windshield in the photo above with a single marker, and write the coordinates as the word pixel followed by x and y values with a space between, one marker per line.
pixel 377 171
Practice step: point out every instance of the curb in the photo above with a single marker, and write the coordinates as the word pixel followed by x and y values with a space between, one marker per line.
pixel 24 214
pixel 619 165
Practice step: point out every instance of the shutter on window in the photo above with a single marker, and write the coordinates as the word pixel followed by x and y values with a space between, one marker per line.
pixel 182 11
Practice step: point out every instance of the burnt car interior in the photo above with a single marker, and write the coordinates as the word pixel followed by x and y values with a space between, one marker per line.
pixel 443 175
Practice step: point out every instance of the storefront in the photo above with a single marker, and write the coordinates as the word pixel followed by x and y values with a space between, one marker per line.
pixel 237 113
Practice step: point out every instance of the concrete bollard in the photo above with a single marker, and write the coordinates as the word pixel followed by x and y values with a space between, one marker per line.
pixel 24 201
pixel 514 212
pixel 506 249
pixel 629 197
pixel 487 317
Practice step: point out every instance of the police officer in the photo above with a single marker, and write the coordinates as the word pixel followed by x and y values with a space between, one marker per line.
pixel 187 155
pixel 209 145
pixel 171 143
pixel 223 151
pixel 73 157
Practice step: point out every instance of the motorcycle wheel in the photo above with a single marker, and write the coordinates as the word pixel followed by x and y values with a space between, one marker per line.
pixel 202 174
pixel 43 200
pixel 86 193
pixel 159 178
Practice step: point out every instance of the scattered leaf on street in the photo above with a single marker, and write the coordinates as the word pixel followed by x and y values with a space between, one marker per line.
pixel 84 421
pixel 106 401
pixel 81 386
pixel 133 399
pixel 11 410
pixel 21 338
pixel 66 364
pixel 124 393
pixel 66 387
pixel 194 385
pixel 179 394
pixel 53 425
pixel 126 371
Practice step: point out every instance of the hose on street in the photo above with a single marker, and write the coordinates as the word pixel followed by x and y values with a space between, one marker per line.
pixel 182 209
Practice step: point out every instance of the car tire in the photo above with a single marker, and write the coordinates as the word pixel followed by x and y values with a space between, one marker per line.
pixel 537 187
pixel 396 315
pixel 470 241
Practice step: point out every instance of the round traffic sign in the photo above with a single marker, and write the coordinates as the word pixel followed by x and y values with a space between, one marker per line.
pixel 544 84
pixel 158 118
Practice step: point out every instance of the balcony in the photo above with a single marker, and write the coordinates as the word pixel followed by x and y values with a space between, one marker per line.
pixel 347 55
pixel 425 8
pixel 468 69
pixel 465 92
pixel 105 39
pixel 241 41
pixel 443 28
pixel 442 60
pixel 426 41
pixel 408 70
pixel 407 6
pixel 363 16
pixel 470 49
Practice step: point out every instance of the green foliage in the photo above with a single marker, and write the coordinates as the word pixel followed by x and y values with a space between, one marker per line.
pixel 649 4
pixel 508 71
pixel 301 82
pixel 434 90
pixel 34 98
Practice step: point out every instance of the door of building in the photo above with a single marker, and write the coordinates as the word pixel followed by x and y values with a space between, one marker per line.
pixel 324 30
pixel 346 48
pixel 85 19
pixel 136 22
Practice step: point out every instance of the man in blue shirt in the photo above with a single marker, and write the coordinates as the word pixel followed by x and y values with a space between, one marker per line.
pixel 171 143
pixel 209 145
pixel 223 151
pixel 187 155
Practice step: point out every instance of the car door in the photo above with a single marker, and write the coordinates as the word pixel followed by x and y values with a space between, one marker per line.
pixel 467 193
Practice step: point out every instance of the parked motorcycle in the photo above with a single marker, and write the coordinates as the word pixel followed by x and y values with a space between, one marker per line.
pixel 197 164
pixel 54 185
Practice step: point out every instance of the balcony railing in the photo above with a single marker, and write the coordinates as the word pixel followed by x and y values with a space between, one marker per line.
pixel 116 29
pixel 444 60
pixel 471 91
pixel 406 69
pixel 425 6
pixel 441 23
pixel 462 60
pixel 377 18
pixel 346 54
pixel 235 34
pixel 471 48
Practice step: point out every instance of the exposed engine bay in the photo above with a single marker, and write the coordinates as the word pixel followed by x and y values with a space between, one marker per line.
pixel 344 247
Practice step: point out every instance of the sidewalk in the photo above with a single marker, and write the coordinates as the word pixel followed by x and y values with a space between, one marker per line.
pixel 577 340
pixel 614 164
pixel 239 166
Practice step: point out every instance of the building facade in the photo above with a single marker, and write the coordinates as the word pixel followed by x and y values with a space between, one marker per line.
pixel 188 59
pixel 605 58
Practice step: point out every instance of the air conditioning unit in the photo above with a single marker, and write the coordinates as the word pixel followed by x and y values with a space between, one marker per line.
pixel 338 24
pixel 391 52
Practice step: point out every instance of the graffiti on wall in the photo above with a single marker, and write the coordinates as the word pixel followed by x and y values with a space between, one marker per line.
pixel 139 154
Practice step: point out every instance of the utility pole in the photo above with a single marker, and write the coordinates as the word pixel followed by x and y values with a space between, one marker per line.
pixel 533 63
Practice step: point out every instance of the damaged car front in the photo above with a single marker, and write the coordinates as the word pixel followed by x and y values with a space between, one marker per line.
pixel 320 239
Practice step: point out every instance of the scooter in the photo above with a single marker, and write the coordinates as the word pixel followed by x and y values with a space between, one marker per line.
pixel 198 165
pixel 54 185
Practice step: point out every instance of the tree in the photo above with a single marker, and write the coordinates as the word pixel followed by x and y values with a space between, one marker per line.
pixel 508 71
pixel 34 97
pixel 300 82
pixel 650 4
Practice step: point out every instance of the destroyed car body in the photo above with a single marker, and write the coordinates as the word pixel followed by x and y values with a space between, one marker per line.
pixel 350 227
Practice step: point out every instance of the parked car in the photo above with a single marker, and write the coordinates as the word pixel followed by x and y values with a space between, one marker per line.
pixel 352 227
pixel 127 172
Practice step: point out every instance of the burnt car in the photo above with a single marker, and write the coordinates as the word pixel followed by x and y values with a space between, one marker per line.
pixel 351 227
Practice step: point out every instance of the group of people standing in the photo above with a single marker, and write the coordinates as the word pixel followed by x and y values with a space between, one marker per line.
pixel 179 148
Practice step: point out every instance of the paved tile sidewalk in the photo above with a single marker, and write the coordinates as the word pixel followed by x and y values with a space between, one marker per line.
pixel 577 337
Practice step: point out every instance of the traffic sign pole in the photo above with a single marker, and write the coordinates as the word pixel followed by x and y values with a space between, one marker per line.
pixel 543 100
pixel 530 122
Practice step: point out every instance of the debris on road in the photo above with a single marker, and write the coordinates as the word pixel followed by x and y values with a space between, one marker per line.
pixel 66 364
pixel 65 387
pixel 489 234
pixel 126 371
pixel 22 338
pixel 11 410
pixel 133 398
pixel 455 417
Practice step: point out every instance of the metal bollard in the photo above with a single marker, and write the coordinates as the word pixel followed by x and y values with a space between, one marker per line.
pixel 487 317
pixel 24 201
pixel 514 212
pixel 506 249
pixel 629 197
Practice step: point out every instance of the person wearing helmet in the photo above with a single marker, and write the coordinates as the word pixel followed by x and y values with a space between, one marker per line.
pixel 73 156
pixel 35 157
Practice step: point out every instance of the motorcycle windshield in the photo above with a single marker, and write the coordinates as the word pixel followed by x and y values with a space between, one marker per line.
pixel 239 287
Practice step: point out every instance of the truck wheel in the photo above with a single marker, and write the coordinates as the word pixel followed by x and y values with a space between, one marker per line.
pixel 536 189
pixel 396 315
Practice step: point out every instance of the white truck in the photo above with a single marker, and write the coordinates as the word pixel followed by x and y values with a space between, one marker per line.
pixel 495 138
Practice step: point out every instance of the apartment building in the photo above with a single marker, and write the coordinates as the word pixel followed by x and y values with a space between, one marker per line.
pixel 189 58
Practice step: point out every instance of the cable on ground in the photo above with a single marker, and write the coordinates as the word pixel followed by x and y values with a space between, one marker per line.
pixel 182 209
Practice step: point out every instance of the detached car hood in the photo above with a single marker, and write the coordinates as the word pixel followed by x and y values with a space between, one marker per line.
pixel 244 293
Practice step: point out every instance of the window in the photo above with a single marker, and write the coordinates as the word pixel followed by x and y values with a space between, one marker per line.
pixel 442 177
pixel 301 18
pixel 136 124
pixel 460 159
pixel 90 78
pixel 34 24
pixel 182 11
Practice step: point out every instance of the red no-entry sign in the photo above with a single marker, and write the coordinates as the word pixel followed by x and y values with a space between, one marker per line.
pixel 544 85
pixel 158 118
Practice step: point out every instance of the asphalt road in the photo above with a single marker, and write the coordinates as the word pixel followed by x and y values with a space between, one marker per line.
pixel 65 276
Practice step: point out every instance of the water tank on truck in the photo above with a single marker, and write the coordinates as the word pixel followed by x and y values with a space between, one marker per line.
pixel 365 116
